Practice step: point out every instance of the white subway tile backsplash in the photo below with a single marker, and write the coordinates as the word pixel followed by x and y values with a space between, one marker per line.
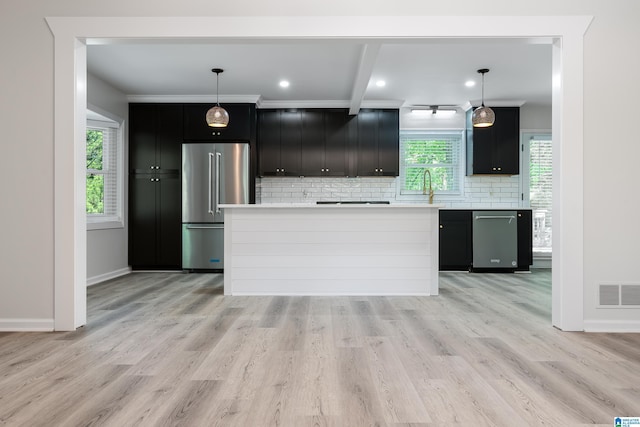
pixel 479 191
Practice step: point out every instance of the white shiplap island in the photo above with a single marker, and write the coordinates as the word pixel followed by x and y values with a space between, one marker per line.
pixel 308 249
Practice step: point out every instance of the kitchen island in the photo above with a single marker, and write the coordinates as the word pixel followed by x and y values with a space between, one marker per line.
pixel 335 249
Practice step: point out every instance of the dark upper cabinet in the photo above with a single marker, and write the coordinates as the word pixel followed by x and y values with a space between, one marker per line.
pixel 328 142
pixel 155 135
pixel 241 127
pixel 339 130
pixel 455 240
pixel 280 139
pixel 378 143
pixel 495 150
pixel 325 138
pixel 313 140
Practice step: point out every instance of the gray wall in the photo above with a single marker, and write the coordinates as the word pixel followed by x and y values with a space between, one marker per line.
pixel 26 108
pixel 107 249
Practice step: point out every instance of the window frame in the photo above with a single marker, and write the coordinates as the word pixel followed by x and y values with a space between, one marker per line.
pixel 442 196
pixel 103 120
pixel 526 135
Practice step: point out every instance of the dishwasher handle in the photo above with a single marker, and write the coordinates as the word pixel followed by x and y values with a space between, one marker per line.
pixel 509 217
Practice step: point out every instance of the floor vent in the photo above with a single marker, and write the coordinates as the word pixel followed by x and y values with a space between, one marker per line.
pixel 623 295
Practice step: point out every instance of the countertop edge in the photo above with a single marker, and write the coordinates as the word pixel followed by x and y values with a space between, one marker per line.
pixel 314 206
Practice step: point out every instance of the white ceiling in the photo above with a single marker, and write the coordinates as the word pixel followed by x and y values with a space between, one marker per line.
pixel 330 72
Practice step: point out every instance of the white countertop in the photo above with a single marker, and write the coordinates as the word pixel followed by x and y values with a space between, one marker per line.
pixel 331 206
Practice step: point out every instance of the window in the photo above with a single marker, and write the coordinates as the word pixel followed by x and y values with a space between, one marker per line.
pixel 436 151
pixel 538 158
pixel 104 181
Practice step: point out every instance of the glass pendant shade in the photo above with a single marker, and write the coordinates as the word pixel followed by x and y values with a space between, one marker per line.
pixel 483 117
pixel 217 117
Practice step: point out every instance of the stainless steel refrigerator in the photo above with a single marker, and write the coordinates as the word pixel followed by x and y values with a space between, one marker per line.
pixel 212 174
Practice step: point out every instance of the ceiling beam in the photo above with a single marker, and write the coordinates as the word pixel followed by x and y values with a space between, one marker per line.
pixel 365 68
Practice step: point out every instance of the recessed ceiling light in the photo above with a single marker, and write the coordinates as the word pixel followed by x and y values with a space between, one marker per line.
pixel 381 83
pixel 469 83
pixel 284 83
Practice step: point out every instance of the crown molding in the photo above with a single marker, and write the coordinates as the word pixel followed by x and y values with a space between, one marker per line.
pixel 229 99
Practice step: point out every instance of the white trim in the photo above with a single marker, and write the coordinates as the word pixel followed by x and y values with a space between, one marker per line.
pixel 26 325
pixel 108 276
pixel 70 105
pixel 612 326
pixel 202 99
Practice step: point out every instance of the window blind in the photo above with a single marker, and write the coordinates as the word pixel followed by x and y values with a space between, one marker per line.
pixel 540 190
pixel 438 152
pixel 105 165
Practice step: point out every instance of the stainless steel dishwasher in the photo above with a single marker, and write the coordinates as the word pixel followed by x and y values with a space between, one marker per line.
pixel 495 239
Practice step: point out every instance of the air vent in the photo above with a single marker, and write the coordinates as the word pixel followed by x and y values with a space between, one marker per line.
pixel 619 296
pixel 630 295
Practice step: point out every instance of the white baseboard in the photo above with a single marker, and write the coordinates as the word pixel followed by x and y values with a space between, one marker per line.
pixel 26 325
pixel 108 276
pixel 612 326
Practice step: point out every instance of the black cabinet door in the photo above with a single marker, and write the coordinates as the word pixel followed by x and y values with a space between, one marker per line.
pixel 142 138
pixel 525 240
pixel 269 142
pixel 388 142
pixel 338 126
pixel 169 220
pixel 367 147
pixel 507 141
pixel 169 137
pixel 238 129
pixel 312 151
pixel 495 149
pixel 378 143
pixel 155 137
pixel 455 240
pixel 142 220
pixel 290 142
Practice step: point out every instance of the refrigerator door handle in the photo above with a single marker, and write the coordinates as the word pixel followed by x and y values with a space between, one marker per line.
pixel 217 201
pixel 210 205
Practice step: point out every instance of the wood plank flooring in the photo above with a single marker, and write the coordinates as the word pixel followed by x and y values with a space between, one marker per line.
pixel 168 349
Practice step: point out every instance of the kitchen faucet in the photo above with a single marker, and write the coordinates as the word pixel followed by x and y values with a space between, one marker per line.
pixel 424 185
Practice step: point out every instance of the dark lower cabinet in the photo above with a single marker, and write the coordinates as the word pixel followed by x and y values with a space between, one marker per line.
pixel 455 240
pixel 456 244
pixel 155 239
pixel 525 240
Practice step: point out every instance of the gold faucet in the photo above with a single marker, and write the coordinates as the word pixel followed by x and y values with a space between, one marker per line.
pixel 424 185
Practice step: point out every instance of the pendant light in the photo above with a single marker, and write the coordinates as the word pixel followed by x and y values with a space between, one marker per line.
pixel 217 117
pixel 483 116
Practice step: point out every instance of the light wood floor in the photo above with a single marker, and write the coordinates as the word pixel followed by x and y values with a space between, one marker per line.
pixel 170 349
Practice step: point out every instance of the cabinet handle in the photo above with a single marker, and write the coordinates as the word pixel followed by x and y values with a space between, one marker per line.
pixel 499 169
pixel 277 170
pixel 326 170
pixel 322 170
pixel 441 226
